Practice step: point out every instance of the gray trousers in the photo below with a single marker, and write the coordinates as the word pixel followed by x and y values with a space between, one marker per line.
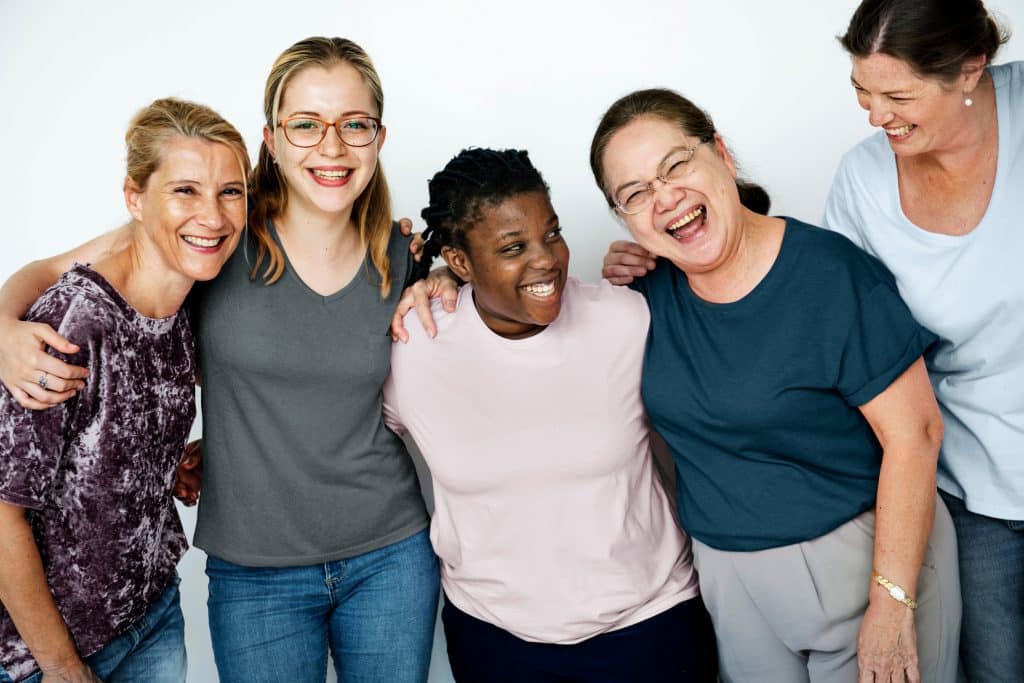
pixel 792 614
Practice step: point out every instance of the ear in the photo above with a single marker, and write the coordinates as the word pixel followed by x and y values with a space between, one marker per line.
pixel 971 73
pixel 133 198
pixel 459 262
pixel 723 153
pixel 381 134
pixel 268 137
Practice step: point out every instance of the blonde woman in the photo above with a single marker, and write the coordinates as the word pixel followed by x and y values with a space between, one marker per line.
pixel 311 512
pixel 90 536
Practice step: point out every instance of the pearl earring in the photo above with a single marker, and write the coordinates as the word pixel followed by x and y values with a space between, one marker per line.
pixel 968 102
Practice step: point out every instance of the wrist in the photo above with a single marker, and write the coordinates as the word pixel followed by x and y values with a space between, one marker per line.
pixel 884 591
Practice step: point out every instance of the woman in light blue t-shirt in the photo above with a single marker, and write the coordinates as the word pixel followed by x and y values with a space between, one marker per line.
pixel 936 195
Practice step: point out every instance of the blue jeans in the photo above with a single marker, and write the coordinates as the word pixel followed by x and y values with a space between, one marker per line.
pixel 992 585
pixel 152 650
pixel 375 612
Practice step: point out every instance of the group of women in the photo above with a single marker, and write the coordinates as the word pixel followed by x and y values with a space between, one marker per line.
pixel 793 373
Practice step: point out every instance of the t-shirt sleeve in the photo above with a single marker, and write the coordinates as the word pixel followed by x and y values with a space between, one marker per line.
pixel 841 213
pixel 390 407
pixel 883 341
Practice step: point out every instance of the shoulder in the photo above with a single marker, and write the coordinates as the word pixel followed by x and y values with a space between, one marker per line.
pixel 77 304
pixel 1009 75
pixel 606 299
pixel 419 342
pixel 830 253
pixel 866 160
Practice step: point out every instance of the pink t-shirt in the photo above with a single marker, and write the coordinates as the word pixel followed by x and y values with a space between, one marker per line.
pixel 549 519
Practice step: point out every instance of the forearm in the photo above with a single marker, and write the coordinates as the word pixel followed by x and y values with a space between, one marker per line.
pixel 27 597
pixel 904 513
pixel 25 286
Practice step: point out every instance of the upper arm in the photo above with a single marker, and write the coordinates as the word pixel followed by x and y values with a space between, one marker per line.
pixel 92 251
pixel 906 411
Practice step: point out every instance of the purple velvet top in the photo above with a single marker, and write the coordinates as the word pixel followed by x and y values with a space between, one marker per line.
pixel 96 472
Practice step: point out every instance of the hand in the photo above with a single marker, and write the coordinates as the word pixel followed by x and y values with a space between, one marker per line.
pixel 887 643
pixel 190 474
pixel 439 284
pixel 416 246
pixel 626 261
pixel 24 362
pixel 75 671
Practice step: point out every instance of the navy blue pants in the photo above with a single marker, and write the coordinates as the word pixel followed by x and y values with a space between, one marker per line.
pixel 675 646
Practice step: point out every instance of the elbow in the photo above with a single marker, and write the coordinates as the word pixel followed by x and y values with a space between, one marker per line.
pixel 934 431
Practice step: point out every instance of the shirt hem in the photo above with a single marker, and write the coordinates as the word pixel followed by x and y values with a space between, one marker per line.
pixel 297 561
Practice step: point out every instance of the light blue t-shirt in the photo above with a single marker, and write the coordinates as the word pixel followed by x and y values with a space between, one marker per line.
pixel 969 290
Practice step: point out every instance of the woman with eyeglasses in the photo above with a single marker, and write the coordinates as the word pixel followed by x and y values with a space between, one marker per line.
pixel 785 373
pixel 311 513
pixel 936 195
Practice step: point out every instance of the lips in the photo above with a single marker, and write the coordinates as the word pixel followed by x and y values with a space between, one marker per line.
pixel 204 244
pixel 333 176
pixel 688 224
pixel 901 132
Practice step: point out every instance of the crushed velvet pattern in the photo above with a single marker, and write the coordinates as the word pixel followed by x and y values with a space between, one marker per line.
pixel 95 473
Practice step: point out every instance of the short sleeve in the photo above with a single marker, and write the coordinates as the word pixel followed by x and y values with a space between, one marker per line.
pixel 31 445
pixel 883 341
pixel 840 208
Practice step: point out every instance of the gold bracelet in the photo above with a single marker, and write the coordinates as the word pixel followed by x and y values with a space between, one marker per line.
pixel 895 591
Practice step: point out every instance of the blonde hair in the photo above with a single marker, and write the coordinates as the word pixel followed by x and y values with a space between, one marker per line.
pixel 153 126
pixel 372 208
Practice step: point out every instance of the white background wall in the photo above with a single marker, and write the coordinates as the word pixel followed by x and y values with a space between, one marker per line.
pixel 530 74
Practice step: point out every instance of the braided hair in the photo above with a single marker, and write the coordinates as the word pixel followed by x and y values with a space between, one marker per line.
pixel 473 179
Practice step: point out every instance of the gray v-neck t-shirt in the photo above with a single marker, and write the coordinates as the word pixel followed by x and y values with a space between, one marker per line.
pixel 298 465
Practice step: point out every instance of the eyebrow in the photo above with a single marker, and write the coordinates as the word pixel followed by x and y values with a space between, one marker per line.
pixel 641 182
pixel 344 114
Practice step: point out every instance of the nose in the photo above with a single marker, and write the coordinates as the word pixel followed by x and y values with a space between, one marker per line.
pixel 332 144
pixel 667 195
pixel 211 214
pixel 878 113
pixel 543 257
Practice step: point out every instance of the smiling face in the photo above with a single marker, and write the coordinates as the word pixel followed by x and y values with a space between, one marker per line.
pixel 329 177
pixel 919 115
pixel 517 262
pixel 193 207
pixel 694 221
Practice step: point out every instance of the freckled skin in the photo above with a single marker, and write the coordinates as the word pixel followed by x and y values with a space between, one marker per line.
pixel 99 468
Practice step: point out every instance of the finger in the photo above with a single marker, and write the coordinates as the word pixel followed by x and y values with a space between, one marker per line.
pixel 44 396
pixel 625 246
pixel 449 296
pixel 55 384
pixel 913 674
pixel 416 246
pixel 405 225
pixel 624 259
pixel 43 362
pixel 398 331
pixel 46 334
pixel 426 316
pixel 27 401
pixel 864 674
pixel 620 280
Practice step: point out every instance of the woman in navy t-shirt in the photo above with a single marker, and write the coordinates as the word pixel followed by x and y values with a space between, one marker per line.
pixel 785 374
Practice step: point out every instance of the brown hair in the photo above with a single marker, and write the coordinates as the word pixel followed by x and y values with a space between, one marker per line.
pixel 372 208
pixel 934 37
pixel 164 119
pixel 670 106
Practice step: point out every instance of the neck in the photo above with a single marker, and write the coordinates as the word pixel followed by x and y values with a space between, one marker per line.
pixel 144 280
pixel 746 265
pixel 325 234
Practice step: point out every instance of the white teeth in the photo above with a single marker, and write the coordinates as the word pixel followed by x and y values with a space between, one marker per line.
pixel 331 175
pixel 541 288
pixel 901 131
pixel 686 219
pixel 201 242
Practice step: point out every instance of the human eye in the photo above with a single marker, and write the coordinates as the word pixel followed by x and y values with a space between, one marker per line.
pixel 232 192
pixel 304 124
pixel 555 234
pixel 356 124
pixel 186 190
pixel 633 198
pixel 899 100
pixel 513 249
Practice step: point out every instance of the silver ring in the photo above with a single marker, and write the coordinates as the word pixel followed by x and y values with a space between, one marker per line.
pixel 42 380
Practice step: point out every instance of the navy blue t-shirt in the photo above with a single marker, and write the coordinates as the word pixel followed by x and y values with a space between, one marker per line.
pixel 757 399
